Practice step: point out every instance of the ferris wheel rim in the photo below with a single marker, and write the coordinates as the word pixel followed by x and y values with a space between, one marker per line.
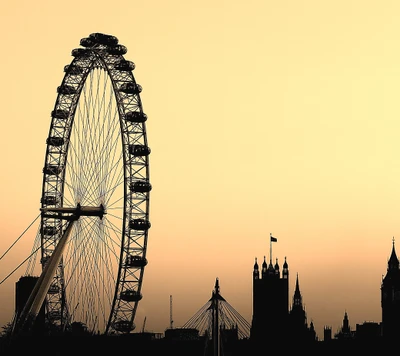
pixel 102 52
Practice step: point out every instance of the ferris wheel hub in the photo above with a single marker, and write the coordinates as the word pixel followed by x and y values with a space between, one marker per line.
pixel 75 213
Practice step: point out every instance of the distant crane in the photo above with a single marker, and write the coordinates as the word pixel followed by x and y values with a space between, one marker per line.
pixel 171 322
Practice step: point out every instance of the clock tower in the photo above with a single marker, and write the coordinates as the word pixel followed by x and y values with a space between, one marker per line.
pixel 390 298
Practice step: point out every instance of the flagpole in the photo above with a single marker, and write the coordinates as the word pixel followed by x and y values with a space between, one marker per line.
pixel 270 247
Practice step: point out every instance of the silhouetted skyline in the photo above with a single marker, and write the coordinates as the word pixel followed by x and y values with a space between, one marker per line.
pixel 263 117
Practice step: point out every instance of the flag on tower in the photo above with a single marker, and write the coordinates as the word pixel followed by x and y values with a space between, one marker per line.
pixel 273 239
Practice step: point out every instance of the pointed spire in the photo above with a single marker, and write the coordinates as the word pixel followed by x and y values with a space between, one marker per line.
pixel 346 325
pixel 297 299
pixel 297 283
pixel 393 262
pixel 216 286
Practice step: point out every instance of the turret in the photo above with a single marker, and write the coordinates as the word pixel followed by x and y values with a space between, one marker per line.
pixel 264 268
pixel 256 272
pixel 276 267
pixel 285 271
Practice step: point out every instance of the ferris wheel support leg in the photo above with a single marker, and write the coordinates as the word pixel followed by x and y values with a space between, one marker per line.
pixel 38 294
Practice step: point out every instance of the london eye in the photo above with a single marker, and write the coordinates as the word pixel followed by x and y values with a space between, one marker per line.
pixel 94 219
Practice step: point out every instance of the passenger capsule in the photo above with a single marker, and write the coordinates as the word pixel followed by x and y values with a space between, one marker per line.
pixel 55 141
pixel 66 89
pixel 49 200
pixel 55 315
pixel 49 230
pixel 139 150
pixel 124 326
pixel 140 186
pixel 131 296
pixel 87 42
pixel 80 52
pixel 52 169
pixel 44 260
pixel 60 114
pixel 125 65
pixel 117 50
pixel 136 261
pixel 73 69
pixel 140 224
pixel 136 116
pixel 101 38
pixel 53 289
pixel 130 88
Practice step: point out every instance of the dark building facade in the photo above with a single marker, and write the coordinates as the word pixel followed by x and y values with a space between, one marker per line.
pixel 270 300
pixel 23 289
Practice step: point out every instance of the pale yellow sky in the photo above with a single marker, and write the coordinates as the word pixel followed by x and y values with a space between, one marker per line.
pixel 264 117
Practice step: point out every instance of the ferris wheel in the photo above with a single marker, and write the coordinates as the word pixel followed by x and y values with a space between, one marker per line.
pixel 95 194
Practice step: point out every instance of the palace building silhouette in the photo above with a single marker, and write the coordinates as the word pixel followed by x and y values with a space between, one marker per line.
pixel 272 318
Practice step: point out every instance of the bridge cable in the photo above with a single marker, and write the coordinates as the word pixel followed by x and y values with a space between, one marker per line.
pixel 19 238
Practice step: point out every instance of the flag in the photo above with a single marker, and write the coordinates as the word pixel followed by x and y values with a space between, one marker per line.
pixel 273 239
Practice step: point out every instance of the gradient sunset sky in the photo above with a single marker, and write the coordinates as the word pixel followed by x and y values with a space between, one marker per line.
pixel 264 117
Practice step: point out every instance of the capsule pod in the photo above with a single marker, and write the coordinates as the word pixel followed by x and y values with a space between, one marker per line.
pixel 73 69
pixel 117 50
pixel 124 326
pixel 49 230
pixel 135 116
pixel 55 141
pixel 131 296
pixel 66 89
pixel 139 150
pixel 136 261
pixel 80 52
pixel 87 42
pixel 44 260
pixel 53 289
pixel 49 200
pixel 52 169
pixel 130 88
pixel 101 38
pixel 55 315
pixel 60 114
pixel 141 186
pixel 140 224
pixel 125 65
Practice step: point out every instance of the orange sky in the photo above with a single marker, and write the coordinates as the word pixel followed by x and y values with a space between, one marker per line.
pixel 264 117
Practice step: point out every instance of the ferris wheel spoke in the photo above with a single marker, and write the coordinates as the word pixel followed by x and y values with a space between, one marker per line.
pixel 109 176
pixel 93 254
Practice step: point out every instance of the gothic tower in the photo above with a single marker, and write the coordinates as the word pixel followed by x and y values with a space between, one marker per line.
pixel 298 329
pixel 390 298
pixel 345 331
pixel 270 300
pixel 298 318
